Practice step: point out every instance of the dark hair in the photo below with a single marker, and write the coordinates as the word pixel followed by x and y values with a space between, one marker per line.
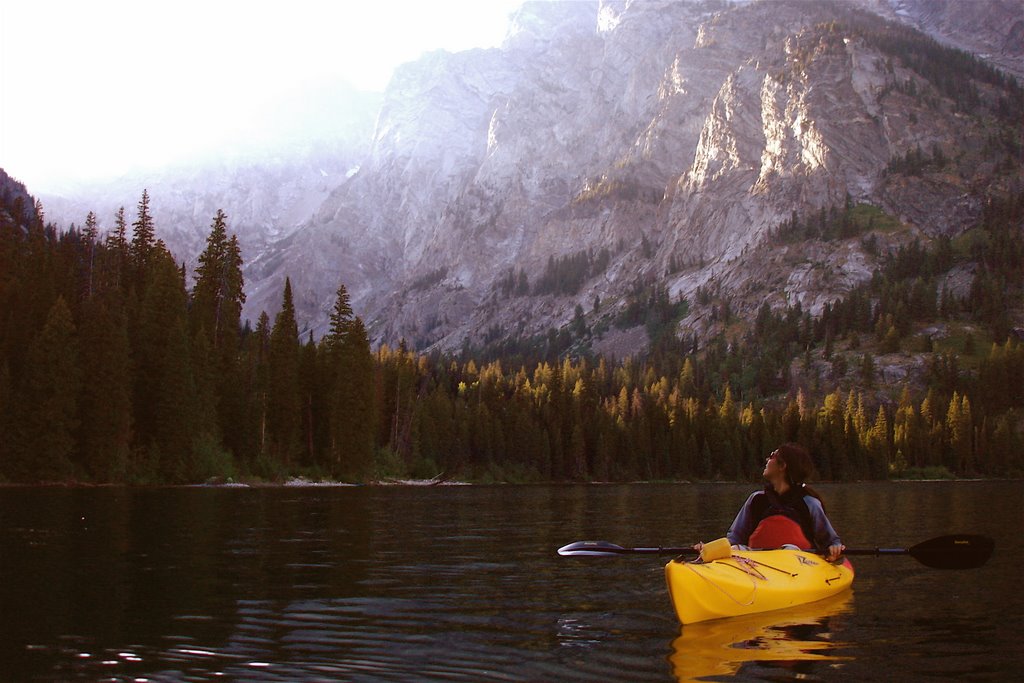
pixel 799 468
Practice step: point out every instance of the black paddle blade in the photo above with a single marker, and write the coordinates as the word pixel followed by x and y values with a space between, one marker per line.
pixel 606 549
pixel 956 551
pixel 592 549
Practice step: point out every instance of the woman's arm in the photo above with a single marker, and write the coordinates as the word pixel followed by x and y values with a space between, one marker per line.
pixel 824 535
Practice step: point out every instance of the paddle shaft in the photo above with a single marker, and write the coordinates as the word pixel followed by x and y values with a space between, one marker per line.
pixel 956 551
pixel 663 551
pixel 876 551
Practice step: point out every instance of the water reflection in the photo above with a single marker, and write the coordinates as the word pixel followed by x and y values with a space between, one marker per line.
pixel 802 640
pixel 428 584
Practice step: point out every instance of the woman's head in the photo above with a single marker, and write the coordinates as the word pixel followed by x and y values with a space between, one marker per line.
pixel 796 461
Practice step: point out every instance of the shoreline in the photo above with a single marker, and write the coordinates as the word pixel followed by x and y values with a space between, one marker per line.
pixel 301 482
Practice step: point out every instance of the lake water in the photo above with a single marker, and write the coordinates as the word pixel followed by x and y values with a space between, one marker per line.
pixel 462 583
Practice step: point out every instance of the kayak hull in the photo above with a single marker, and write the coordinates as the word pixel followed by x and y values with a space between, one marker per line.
pixel 752 581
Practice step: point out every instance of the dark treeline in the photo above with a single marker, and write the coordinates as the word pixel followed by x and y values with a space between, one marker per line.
pixel 115 366
pixel 564 275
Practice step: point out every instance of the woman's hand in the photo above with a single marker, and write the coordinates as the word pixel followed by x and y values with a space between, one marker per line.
pixel 834 551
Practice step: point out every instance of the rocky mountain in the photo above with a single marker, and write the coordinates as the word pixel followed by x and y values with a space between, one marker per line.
pixel 994 30
pixel 611 149
pixel 14 193
pixel 664 140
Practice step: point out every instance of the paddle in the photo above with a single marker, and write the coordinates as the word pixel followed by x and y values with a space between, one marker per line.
pixel 606 549
pixel 956 551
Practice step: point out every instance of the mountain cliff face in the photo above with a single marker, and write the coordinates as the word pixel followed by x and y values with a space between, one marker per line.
pixel 670 138
pixel 612 147
pixel 993 29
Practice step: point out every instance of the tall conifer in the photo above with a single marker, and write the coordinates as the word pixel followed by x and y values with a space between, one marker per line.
pixel 284 417
pixel 106 405
pixel 219 290
pixel 354 405
pixel 259 353
pixel 209 291
pixel 216 312
pixel 175 427
pixel 117 242
pixel 163 384
pixel 312 392
pixel 89 235
pixel 50 402
pixel 351 384
pixel 143 240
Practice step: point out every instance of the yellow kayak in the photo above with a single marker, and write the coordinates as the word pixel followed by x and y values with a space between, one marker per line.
pixel 752 581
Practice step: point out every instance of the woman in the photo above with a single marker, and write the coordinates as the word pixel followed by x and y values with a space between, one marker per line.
pixel 787 511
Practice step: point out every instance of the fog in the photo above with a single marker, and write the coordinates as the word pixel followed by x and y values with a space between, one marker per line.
pixel 98 90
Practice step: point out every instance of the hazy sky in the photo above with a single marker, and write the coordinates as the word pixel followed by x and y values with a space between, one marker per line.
pixel 95 88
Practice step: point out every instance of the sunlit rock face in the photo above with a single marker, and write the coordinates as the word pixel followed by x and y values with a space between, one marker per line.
pixel 670 136
pixel 674 135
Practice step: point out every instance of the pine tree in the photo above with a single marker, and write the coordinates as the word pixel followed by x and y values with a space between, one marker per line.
pixel 351 376
pixel 234 299
pixel 284 411
pixel 89 234
pixel 117 242
pixel 216 313
pixel 33 294
pixel 907 433
pixel 206 377
pixel 341 316
pixel 106 405
pixel 209 291
pixel 933 423
pixel 960 429
pixel 876 443
pixel 176 425
pixel 831 429
pixel 163 381
pixel 219 294
pixel 143 239
pixel 312 393
pixel 259 355
pixel 49 406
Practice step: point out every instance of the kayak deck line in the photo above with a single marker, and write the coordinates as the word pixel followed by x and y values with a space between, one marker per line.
pixel 746 565
pixel 750 560
pixel 743 564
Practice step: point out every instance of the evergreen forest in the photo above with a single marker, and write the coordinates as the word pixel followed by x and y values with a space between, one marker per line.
pixel 119 366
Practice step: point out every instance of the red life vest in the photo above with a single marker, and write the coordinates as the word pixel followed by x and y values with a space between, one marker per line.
pixel 776 531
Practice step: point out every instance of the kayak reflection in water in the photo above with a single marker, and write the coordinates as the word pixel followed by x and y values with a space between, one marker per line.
pixel 804 640
pixel 787 511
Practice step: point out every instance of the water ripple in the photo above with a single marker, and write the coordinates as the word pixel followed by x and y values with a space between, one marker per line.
pixel 463 585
